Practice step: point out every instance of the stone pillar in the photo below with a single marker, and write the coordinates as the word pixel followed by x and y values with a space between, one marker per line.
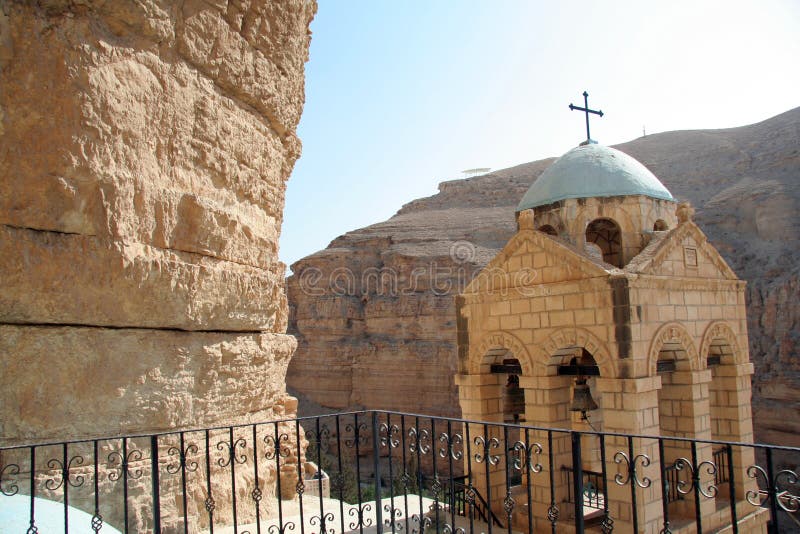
pixel 684 402
pixel 732 420
pixel 481 399
pixel 547 405
pixel 630 406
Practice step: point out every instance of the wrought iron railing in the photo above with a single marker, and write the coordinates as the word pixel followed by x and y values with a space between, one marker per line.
pixel 673 480
pixel 594 489
pixel 721 462
pixel 391 472
pixel 467 500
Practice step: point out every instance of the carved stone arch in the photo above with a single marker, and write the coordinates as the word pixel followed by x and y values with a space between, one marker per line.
pixel 621 216
pixel 552 219
pixel 673 332
pixel 658 211
pixel 721 330
pixel 500 340
pixel 578 337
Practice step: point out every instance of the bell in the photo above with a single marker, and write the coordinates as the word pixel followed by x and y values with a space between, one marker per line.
pixel 582 400
pixel 514 399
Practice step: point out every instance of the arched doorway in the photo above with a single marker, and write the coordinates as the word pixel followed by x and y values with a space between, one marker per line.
pixel 578 407
pixel 729 400
pixel 496 395
pixel 606 234
pixel 683 412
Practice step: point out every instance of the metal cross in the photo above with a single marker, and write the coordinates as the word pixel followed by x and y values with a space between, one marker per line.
pixel 586 110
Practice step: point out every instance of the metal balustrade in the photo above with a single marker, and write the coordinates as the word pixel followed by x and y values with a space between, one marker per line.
pixel 381 471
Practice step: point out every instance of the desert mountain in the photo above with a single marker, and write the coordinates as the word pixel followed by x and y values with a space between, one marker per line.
pixel 374 312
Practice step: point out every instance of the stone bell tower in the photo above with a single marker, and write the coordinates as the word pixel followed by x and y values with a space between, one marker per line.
pixel 609 284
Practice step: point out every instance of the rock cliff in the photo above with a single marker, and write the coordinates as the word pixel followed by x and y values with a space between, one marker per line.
pixel 144 150
pixel 374 312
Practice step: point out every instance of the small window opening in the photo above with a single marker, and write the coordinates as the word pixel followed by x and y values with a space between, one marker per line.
pixel 547 229
pixel 606 234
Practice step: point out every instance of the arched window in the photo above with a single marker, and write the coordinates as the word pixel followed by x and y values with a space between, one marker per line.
pixel 606 234
pixel 660 226
pixel 547 229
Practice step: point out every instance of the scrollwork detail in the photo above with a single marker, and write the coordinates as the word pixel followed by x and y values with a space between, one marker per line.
pixel 449 444
pixel 394 514
pixel 281 529
pixel 524 456
pixel 486 447
pixel 423 522
pixel 631 472
pixel 359 435
pixel 124 464
pixel 277 447
pixel 388 436
pixel 755 497
pixel 361 519
pixel 322 521
pixel 683 488
pixel 419 440
pixel 183 462
pixel 227 459
pixel 11 488
pixel 319 440
pixel 788 501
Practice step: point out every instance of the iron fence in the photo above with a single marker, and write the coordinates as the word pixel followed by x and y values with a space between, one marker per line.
pixel 387 471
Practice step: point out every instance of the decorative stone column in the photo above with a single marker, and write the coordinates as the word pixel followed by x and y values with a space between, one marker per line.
pixel 685 399
pixel 732 419
pixel 547 405
pixel 481 399
pixel 630 406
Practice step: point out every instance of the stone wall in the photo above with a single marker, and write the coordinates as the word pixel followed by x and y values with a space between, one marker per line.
pixel 144 150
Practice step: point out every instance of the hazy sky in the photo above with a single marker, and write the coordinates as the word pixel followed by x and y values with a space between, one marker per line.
pixel 401 95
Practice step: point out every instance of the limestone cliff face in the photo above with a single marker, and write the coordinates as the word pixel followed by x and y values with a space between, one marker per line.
pixel 144 149
pixel 374 312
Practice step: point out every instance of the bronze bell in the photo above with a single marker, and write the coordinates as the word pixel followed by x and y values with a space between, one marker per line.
pixel 582 400
pixel 514 399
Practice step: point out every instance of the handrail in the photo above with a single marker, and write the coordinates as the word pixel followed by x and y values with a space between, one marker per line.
pixel 178 431
pixel 480 505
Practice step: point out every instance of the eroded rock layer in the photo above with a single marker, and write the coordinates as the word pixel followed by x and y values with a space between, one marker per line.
pixel 374 313
pixel 144 148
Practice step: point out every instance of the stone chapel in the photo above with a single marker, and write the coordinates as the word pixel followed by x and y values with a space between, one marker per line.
pixel 609 288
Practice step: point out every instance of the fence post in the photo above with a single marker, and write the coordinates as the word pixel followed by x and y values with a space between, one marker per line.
pixel 376 456
pixel 156 488
pixel 577 480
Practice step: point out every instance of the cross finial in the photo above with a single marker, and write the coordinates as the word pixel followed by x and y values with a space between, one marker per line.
pixel 586 110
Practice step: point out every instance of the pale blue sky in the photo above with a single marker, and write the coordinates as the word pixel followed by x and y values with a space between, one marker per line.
pixel 403 95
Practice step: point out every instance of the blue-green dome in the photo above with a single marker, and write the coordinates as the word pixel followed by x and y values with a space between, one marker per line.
pixel 593 170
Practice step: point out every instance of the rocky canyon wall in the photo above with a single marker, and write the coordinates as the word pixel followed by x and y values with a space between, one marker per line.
pixel 374 313
pixel 144 150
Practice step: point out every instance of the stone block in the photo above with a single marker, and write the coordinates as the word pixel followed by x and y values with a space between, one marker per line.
pixel 562 318
pixel 88 382
pixel 584 317
pixel 60 278
pixel 530 320
pixel 509 322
